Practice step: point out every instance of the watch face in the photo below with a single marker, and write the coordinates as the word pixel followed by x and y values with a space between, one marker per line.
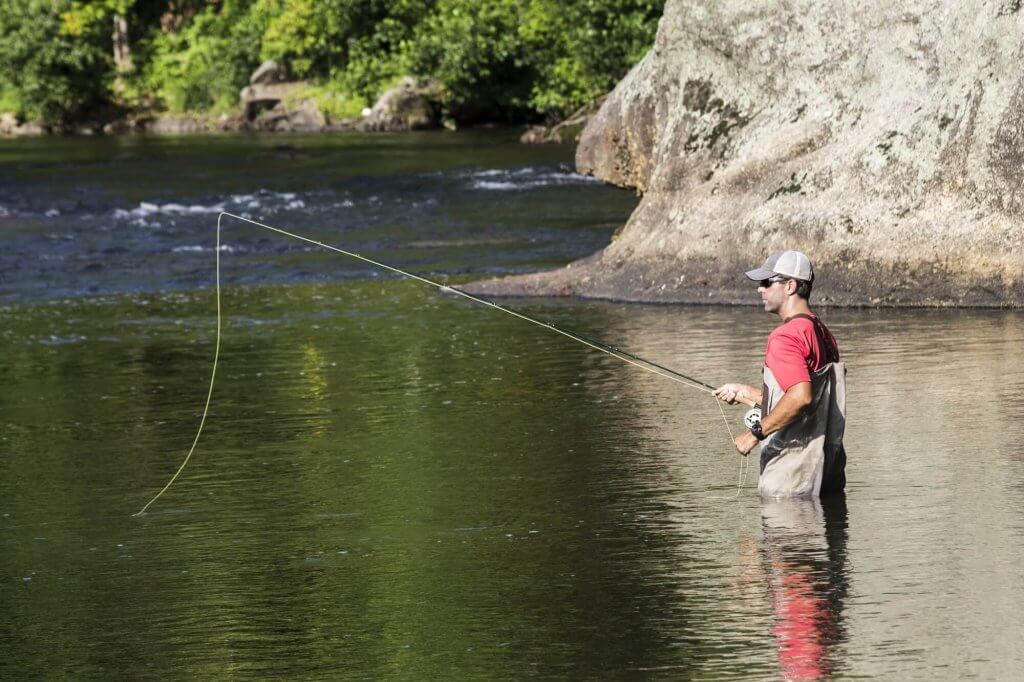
pixel 752 417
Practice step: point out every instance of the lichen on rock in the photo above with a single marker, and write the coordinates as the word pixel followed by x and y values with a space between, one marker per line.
pixel 884 139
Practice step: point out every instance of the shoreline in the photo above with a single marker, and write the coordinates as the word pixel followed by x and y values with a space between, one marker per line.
pixel 198 126
pixel 164 126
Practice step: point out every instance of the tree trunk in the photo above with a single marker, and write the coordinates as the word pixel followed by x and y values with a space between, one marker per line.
pixel 122 50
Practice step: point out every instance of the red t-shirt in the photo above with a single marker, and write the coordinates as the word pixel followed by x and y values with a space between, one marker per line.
pixel 794 351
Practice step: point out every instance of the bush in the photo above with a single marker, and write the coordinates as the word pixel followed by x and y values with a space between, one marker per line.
pixel 51 74
pixel 583 48
pixel 203 66
pixel 498 60
pixel 336 102
pixel 474 49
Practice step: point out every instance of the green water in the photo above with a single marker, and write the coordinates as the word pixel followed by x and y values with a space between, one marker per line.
pixel 395 484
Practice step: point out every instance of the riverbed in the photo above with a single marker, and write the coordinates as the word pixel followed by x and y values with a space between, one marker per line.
pixel 393 483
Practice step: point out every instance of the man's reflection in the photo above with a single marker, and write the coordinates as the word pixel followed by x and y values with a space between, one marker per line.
pixel 804 552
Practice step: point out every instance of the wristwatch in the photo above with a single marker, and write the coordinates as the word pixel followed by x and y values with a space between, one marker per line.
pixel 756 430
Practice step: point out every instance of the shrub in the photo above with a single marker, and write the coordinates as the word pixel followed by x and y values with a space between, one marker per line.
pixel 51 74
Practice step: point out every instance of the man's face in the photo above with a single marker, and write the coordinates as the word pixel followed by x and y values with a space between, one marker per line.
pixel 773 292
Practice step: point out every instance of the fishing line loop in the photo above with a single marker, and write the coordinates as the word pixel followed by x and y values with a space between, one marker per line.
pixel 614 351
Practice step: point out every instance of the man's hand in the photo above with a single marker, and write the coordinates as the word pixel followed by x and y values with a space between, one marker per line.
pixel 745 442
pixel 730 393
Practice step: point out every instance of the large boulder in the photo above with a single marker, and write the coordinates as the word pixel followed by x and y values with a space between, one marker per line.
pixel 8 124
pixel 304 117
pixel 884 138
pixel 12 126
pixel 260 97
pixel 412 104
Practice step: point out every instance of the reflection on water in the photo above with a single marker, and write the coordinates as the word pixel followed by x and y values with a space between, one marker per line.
pixel 804 554
pixel 396 484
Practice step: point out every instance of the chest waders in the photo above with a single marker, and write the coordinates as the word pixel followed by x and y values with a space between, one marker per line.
pixel 806 458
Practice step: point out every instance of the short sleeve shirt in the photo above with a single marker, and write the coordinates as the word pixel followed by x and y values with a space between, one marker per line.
pixel 794 352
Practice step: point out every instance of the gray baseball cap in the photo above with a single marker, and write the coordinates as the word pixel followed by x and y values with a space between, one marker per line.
pixel 786 263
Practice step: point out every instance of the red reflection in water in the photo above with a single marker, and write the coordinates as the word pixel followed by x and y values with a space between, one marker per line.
pixel 805 553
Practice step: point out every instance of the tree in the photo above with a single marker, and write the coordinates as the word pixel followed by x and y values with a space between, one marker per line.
pixel 58 76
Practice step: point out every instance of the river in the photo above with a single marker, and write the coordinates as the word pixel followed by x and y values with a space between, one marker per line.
pixel 395 484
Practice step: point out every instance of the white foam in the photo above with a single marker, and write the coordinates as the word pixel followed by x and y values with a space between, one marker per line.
pixel 496 179
pixel 497 186
pixel 261 199
pixel 195 248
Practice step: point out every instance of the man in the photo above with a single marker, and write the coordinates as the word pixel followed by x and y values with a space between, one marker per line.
pixel 803 399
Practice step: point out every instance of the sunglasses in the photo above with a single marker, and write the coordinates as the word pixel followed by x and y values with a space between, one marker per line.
pixel 767 283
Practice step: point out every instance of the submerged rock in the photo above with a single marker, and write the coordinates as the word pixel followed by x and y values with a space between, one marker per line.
pixel 886 140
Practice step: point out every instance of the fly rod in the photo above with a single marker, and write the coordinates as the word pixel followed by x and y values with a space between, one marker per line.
pixel 444 288
pixel 614 351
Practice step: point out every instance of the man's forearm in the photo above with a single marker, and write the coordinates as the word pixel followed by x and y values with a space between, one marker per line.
pixel 751 393
pixel 788 409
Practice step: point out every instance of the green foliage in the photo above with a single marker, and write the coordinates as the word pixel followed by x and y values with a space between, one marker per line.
pixel 304 35
pixel 583 48
pixel 52 75
pixel 497 60
pixel 334 100
pixel 474 49
pixel 203 66
pixel 10 101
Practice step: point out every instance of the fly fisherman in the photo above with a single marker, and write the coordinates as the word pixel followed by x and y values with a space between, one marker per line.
pixel 803 400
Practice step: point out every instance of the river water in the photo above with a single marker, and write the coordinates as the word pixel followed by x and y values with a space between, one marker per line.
pixel 394 484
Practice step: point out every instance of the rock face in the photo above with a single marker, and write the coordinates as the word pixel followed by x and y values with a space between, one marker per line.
pixel 264 105
pixel 260 97
pixel 305 117
pixel 411 105
pixel 885 139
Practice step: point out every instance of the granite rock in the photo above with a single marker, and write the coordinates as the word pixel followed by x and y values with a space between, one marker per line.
pixel 412 104
pixel 884 139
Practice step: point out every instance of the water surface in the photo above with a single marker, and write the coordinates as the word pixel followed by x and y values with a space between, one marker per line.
pixel 397 484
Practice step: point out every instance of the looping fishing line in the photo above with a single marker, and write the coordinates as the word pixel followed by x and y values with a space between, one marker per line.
pixel 625 356
pixel 744 459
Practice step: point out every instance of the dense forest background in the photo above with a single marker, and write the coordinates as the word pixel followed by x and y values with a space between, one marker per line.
pixel 64 61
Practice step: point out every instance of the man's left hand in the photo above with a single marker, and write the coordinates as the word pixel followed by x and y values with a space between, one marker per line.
pixel 745 442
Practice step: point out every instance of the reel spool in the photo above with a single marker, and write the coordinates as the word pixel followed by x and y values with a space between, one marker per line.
pixel 752 417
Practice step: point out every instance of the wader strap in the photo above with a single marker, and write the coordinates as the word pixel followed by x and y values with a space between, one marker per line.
pixel 825 338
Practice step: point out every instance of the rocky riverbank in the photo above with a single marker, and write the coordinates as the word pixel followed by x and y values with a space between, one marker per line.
pixel 272 104
pixel 885 140
pixel 269 104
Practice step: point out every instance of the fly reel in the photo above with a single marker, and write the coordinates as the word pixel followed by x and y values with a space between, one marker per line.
pixel 752 417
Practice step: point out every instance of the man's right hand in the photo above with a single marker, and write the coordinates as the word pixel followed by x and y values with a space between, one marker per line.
pixel 730 393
